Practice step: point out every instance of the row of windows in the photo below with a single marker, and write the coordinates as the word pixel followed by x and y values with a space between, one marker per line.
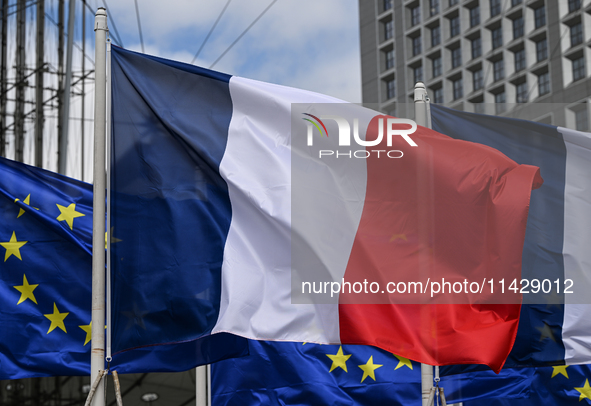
pixel 476 48
pixel 578 68
pixel 576 31
pixel 476 51
pixel 495 9
pixel 576 35
pixel 454 22
pixel 455 28
pixel 522 91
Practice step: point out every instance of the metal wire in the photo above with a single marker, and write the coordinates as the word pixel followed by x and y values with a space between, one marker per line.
pixel 139 25
pixel 112 20
pixel 243 33
pixel 211 30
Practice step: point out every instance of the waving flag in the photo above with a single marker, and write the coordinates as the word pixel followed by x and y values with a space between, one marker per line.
pixel 559 385
pixel 231 193
pixel 555 325
pixel 291 373
pixel 45 284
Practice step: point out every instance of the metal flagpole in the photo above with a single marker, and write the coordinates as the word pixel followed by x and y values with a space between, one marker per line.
pixel 420 99
pixel 108 225
pixel 201 380
pixel 97 358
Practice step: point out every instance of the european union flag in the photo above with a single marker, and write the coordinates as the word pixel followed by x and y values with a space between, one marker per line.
pixel 45 289
pixel 287 373
pixel 560 385
pixel 45 284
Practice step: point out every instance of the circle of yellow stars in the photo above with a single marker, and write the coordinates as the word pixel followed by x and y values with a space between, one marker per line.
pixel 27 290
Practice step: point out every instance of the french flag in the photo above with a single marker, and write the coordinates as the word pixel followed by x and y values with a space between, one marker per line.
pixel 275 213
pixel 555 324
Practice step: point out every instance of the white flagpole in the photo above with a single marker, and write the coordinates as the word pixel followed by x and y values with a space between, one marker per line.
pixel 422 119
pixel 97 357
pixel 202 380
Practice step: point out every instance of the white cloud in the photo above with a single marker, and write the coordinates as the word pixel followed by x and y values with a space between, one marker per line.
pixel 306 43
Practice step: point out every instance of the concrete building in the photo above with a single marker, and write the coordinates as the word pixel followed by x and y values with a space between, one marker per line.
pixel 522 58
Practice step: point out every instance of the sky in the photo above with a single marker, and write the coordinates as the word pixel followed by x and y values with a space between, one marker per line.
pixel 308 44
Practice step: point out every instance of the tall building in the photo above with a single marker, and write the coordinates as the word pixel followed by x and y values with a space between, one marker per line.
pixel 522 58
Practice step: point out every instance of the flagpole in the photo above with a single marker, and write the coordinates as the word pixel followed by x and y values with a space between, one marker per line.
pixel 97 357
pixel 422 119
pixel 203 385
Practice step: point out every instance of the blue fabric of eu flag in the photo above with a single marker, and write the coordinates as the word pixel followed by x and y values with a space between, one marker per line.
pixel 559 385
pixel 284 373
pixel 46 280
pixel 45 286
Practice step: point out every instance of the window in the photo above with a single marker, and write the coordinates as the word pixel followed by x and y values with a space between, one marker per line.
pixel 456 57
pixel 418 74
pixel 416 46
pixel 515 2
pixel 574 5
pixel 391 88
pixel 581 120
pixel 495 7
pixel 522 92
pixel 390 59
pixel 544 83
pixel 497 37
pixel 458 89
pixel 434 7
pixel 388 30
pixel 519 60
pixel 542 50
pixel 476 47
pixel 387 4
pixel 438 95
pixel 540 16
pixel 474 16
pixel 437 68
pixel 435 36
pixel 415 15
pixel 477 79
pixel 500 100
pixel 454 26
pixel 518 27
pixel 576 34
pixel 498 70
pixel 453 2
pixel 579 68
